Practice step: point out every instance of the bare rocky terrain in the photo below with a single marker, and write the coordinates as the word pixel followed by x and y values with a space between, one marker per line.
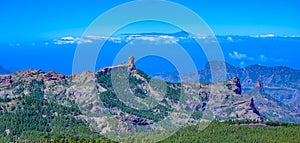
pixel 126 99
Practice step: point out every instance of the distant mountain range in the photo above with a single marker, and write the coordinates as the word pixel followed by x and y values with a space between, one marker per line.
pixel 3 70
pixel 276 90
pixel 91 100
pixel 175 34
pixel 138 102
pixel 279 76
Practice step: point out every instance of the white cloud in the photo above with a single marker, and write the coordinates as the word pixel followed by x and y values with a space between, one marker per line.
pixel 68 38
pixel 237 55
pixel 264 36
pixel 240 56
pixel 116 39
pixel 229 39
pixel 147 38
pixel 81 41
pixel 156 39
pixel 242 63
pixel 263 57
pixel 94 37
pixel 295 36
pixel 65 40
pixel 72 40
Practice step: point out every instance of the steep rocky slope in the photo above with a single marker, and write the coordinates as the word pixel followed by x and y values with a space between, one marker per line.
pixel 271 108
pixel 280 84
pixel 124 98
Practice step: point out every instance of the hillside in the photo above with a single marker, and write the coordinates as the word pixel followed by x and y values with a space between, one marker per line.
pixel 278 98
pixel 118 99
pixel 272 108
pixel 278 76
pixel 227 133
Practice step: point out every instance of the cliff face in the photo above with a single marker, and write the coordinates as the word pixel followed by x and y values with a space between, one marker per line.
pixel 281 83
pixel 271 108
pixel 140 101
pixel 235 85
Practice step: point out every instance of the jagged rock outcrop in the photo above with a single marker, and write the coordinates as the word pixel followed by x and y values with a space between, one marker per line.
pixel 258 84
pixel 253 108
pixel 52 75
pixel 95 95
pixel 273 109
pixel 130 66
pixel 5 81
pixel 131 63
pixel 235 85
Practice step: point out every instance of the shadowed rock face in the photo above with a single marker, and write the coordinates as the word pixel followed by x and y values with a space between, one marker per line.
pixel 258 84
pixel 131 60
pixel 235 85
pixel 131 63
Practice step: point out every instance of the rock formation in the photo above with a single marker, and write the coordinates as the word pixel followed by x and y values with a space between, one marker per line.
pixel 130 66
pixel 258 84
pixel 223 99
pixel 235 85
pixel 5 81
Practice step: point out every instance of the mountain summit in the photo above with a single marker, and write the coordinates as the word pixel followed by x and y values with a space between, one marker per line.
pixel 131 98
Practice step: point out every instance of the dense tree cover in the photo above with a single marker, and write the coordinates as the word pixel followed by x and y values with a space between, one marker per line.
pixel 104 79
pixel 110 100
pixel 32 118
pixel 143 74
pixel 138 92
pixel 277 123
pixel 39 120
pixel 172 93
pixel 223 132
pixel 238 122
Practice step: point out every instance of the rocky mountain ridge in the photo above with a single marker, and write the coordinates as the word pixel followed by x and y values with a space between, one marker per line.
pixel 281 83
pixel 145 103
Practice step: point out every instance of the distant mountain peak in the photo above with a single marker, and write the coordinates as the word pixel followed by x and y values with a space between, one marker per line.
pixel 175 34
pixel 258 84
pixel 3 70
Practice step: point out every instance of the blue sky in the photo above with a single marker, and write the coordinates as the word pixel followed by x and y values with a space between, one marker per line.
pixel 31 31
pixel 34 20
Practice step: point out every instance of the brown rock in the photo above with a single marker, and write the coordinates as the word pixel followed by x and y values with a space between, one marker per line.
pixel 131 60
pixel 131 65
pixel 258 84
pixel 5 81
pixel 52 75
pixel 235 85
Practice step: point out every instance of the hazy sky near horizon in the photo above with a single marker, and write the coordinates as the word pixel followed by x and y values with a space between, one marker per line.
pixel 34 20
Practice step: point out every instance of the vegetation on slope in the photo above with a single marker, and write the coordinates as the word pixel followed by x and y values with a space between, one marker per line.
pixel 35 119
pixel 224 132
